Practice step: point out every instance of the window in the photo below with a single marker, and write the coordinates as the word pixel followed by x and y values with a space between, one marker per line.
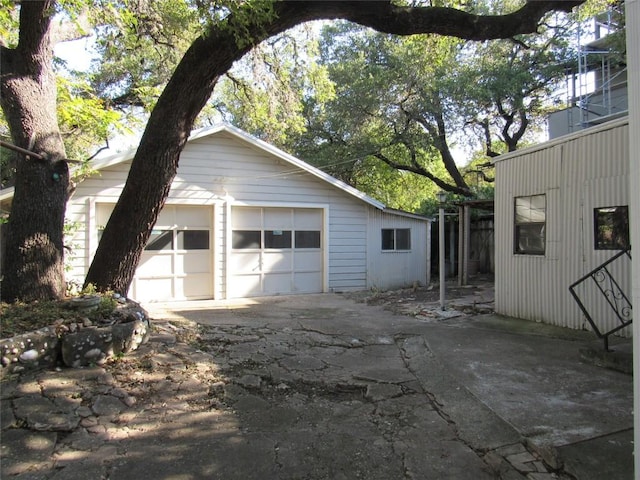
pixel 277 238
pixel 193 239
pixel 611 228
pixel 530 221
pixel 160 240
pixel 243 239
pixel 396 239
pixel 307 239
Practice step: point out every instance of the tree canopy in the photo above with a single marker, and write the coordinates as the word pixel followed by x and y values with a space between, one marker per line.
pixel 226 32
pixel 413 103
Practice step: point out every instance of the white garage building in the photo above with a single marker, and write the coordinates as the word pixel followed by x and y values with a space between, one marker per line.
pixel 244 219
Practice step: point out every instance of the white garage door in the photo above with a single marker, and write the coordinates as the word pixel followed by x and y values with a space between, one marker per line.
pixel 275 251
pixel 177 261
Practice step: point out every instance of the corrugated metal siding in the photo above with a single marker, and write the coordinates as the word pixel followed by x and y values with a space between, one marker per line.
pixel 522 280
pixel 577 174
pixel 396 269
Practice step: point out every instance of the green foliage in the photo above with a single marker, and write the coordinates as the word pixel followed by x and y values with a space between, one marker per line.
pixel 242 17
pixel 84 119
pixel 8 23
pixel 265 93
pixel 388 101
pixel 138 45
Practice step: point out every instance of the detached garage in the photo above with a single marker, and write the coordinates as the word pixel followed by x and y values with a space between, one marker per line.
pixel 245 219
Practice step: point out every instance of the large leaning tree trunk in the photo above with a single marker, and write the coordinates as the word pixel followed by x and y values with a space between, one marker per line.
pixel 156 161
pixel 33 257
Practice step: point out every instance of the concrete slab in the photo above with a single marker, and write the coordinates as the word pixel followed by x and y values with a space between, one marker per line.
pixel 499 380
pixel 322 388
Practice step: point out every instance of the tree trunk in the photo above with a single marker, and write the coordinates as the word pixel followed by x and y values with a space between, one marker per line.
pixel 33 258
pixel 155 164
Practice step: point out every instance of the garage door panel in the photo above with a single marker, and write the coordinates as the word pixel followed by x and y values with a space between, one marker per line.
pixel 277 262
pixel 193 216
pixel 278 219
pixel 246 285
pixel 244 262
pixel 154 289
pixel 249 219
pixel 154 265
pixel 285 256
pixel 195 285
pixel 193 262
pixel 308 260
pixel 167 217
pixel 310 282
pixel 277 283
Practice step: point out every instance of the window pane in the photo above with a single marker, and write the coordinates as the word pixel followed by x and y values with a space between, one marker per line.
pixel 530 220
pixel 611 225
pixel 523 206
pixel 531 209
pixel 277 238
pixel 388 237
pixel 241 239
pixel 530 238
pixel 403 239
pixel 160 240
pixel 307 239
pixel 193 239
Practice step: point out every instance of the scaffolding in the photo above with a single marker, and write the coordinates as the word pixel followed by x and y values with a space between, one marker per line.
pixel 596 86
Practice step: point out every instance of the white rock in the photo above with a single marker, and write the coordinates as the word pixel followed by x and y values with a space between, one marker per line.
pixel 93 354
pixel 29 355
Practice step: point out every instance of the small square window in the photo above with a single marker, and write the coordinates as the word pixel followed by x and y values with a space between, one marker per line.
pixel 396 239
pixel 611 228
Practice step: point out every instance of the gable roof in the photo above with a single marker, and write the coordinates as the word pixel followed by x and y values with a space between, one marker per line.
pixel 122 157
pixel 257 143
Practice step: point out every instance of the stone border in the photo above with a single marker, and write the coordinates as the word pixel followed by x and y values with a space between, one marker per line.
pixel 82 345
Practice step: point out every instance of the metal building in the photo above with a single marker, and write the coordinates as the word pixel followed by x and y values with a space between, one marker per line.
pixel 561 210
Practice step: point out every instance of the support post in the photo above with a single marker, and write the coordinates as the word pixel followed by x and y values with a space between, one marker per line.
pixel 460 245
pixel 441 248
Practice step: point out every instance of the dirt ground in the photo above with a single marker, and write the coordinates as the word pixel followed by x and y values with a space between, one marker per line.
pixel 397 300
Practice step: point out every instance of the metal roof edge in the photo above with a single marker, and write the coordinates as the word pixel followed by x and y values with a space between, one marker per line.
pixel 563 139
pixel 402 213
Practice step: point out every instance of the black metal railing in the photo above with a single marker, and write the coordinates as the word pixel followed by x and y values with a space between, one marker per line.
pixel 608 286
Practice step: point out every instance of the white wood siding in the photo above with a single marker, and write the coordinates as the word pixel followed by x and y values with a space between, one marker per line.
pixel 222 171
pixel 577 173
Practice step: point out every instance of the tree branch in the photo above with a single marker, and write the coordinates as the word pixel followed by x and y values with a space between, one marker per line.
pixel 419 170
pixel 390 18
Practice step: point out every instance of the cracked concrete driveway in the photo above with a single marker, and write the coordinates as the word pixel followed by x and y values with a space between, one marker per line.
pixel 320 387
pixel 339 389
pixel 325 388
